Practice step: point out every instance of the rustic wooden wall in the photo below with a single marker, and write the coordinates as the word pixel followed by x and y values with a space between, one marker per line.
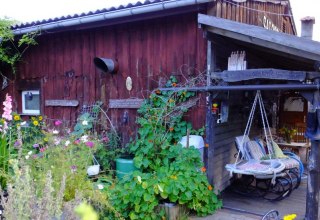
pixel 256 13
pixel 146 51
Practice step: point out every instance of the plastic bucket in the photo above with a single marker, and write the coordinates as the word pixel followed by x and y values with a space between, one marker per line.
pixel 124 167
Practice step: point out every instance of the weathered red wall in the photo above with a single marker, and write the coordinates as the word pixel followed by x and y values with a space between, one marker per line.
pixel 145 50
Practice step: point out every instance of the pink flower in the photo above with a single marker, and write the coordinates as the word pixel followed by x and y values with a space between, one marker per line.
pixel 89 144
pixel 42 149
pixel 7 110
pixel 77 141
pixel 105 139
pixel 57 122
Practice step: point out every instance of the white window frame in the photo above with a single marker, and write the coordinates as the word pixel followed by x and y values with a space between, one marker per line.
pixel 28 111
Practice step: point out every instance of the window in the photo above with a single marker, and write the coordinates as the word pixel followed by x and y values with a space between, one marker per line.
pixel 31 102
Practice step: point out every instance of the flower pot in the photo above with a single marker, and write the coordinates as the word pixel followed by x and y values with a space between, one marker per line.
pixel 173 211
pixel 124 167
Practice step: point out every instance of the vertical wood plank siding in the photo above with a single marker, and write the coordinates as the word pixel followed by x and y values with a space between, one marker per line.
pixel 145 50
pixel 241 12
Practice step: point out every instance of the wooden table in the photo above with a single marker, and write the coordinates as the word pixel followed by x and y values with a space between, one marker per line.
pixel 301 149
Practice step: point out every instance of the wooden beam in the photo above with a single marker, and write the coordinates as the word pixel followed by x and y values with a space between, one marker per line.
pixel 62 102
pixel 259 36
pixel 240 75
pixel 302 87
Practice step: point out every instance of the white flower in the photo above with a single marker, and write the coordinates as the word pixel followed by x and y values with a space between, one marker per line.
pixel 57 141
pixel 85 122
pixel 67 143
pixel 30 152
pixel 100 186
pixel 84 138
pixel 23 123
pixel 27 157
pixel 139 179
pixel 55 132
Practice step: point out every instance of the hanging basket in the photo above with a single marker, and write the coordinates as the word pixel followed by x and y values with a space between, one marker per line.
pixel 94 169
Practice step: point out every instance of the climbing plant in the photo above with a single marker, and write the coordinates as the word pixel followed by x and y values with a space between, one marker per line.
pixel 12 46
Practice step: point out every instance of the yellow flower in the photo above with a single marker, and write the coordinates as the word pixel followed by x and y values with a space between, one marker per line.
pixel 40 118
pixel 33 118
pixel 16 117
pixel 174 177
pixel 290 217
pixel 45 139
pixel 35 123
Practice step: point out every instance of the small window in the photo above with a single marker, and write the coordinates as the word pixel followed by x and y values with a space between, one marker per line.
pixel 31 102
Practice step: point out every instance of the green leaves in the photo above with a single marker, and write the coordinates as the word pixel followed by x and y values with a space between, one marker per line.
pixel 168 172
pixel 11 51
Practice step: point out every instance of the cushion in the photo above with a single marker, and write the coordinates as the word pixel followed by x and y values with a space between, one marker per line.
pixel 290 163
pixel 277 151
pixel 255 150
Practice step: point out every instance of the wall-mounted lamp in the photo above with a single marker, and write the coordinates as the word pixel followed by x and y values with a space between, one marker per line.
pixel 29 96
pixel 106 65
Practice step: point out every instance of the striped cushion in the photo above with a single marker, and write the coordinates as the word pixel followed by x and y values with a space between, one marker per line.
pixel 255 150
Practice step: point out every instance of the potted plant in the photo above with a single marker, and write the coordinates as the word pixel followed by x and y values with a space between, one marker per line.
pixel 287 133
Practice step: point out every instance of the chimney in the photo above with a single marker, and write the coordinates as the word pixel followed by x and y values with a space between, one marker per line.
pixel 307 27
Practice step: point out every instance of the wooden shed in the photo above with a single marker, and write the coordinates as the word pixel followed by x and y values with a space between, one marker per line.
pixel 150 41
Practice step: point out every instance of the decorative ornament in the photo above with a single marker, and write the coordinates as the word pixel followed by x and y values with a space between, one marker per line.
pixel 4 82
pixel 129 83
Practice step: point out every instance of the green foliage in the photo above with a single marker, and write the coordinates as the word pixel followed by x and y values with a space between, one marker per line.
pixel 137 198
pixel 109 150
pixel 168 172
pixel 12 47
pixel 4 154
pixel 84 125
pixel 69 157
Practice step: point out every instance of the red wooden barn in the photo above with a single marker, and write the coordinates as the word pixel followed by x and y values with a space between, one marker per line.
pixel 150 41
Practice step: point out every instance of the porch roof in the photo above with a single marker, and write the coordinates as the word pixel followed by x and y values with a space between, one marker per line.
pixel 280 43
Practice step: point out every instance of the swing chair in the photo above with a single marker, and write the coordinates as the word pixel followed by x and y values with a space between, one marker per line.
pixel 263 168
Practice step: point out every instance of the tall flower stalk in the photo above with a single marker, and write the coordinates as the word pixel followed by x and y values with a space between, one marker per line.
pixel 4 152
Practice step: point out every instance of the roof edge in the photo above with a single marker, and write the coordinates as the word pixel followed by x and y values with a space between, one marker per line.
pixel 108 15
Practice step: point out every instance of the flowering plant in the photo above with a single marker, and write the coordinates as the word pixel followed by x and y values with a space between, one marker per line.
pixel 288 133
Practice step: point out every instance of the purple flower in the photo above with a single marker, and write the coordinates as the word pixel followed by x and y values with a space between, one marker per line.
pixel 35 145
pixel 77 141
pixel 17 144
pixel 73 168
pixel 57 122
pixel 90 144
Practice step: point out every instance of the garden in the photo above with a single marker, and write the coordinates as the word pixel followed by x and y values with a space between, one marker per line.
pixel 52 171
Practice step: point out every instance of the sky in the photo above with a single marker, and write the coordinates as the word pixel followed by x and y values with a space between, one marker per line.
pixel 32 10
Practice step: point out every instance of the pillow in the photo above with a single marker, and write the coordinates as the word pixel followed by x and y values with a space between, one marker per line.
pixel 277 151
pixel 255 150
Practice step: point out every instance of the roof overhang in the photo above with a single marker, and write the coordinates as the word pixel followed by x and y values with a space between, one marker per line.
pixel 280 42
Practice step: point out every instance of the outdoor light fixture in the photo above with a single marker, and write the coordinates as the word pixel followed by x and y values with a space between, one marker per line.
pixel 29 95
pixel 106 65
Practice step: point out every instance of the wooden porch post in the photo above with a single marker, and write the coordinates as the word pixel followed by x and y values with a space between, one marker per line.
pixel 312 204
pixel 210 119
pixel 209 151
pixel 313 132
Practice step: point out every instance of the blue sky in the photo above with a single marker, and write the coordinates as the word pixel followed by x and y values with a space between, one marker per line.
pixel 31 10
